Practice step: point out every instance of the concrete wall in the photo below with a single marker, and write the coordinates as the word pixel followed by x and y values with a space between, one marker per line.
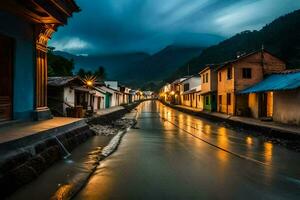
pixel 112 84
pixel 24 64
pixel 253 105
pixel 225 87
pixel 287 106
pixel 193 82
pixel 69 98
pixel 99 99
pixel 238 83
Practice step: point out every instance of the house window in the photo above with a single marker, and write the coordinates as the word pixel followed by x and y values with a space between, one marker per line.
pixel 229 99
pixel 247 73
pixel 229 73
pixel 206 78
pixel 186 87
pixel 220 76
pixel 203 78
pixel 220 99
pixel 207 100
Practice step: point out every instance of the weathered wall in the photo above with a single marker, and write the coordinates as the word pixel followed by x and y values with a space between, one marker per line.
pixel 253 104
pixel 287 107
pixel 271 64
pixel 69 98
pixel 225 86
pixel 206 86
pixel 24 64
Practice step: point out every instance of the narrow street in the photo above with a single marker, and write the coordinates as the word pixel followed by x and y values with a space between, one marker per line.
pixel 172 155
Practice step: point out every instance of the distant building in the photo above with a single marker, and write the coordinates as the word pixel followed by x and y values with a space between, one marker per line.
pixel 190 92
pixel 276 97
pixel 174 94
pixel 25 29
pixel 112 96
pixel 241 73
pixel 209 88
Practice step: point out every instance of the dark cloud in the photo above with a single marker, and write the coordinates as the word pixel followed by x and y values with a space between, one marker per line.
pixel 113 26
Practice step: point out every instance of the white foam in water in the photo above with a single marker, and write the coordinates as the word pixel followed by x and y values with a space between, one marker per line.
pixel 112 144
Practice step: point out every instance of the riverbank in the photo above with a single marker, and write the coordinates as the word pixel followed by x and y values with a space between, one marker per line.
pixel 27 158
pixel 287 136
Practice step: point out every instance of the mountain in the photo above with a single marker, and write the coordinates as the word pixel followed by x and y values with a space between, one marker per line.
pixel 281 37
pixel 116 64
pixel 137 69
pixel 157 66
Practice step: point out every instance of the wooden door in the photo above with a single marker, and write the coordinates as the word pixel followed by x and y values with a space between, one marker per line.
pixel 6 56
pixel 263 105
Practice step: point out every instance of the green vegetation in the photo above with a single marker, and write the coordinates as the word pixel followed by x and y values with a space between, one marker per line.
pixel 58 65
pixel 100 73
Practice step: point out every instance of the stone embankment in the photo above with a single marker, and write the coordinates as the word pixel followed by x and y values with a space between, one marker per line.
pixel 21 165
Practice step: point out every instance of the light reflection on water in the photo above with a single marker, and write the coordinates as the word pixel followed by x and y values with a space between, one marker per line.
pixel 218 135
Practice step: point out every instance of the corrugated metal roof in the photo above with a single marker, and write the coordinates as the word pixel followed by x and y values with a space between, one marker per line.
pixel 61 80
pixel 275 82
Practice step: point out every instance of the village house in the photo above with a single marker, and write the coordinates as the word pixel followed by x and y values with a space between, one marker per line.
pixel 133 96
pixel 277 97
pixel 99 97
pixel 164 92
pixel 125 94
pixel 190 92
pixel 241 73
pixel 67 96
pixel 209 88
pixel 176 91
pixel 24 34
pixel 117 98
pixel 148 94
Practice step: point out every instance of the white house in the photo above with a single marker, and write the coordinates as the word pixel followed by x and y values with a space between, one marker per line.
pixel 190 92
pixel 67 94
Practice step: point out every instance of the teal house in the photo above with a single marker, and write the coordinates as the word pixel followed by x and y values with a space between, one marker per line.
pixel 25 28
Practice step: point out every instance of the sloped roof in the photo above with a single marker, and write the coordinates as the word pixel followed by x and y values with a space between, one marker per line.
pixel 221 65
pixel 286 80
pixel 209 66
pixel 61 80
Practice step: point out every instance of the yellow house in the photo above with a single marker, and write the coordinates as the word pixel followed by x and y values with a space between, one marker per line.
pixel 209 88
pixel 241 73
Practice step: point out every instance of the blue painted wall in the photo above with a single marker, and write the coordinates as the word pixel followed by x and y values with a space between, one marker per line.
pixel 24 64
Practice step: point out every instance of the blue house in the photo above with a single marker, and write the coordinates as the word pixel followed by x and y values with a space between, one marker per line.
pixel 25 28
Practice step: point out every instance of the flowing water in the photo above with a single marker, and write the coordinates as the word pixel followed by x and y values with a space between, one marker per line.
pixel 178 156
pixel 172 155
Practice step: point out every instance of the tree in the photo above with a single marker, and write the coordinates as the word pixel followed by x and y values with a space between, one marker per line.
pixel 100 73
pixel 81 73
pixel 58 65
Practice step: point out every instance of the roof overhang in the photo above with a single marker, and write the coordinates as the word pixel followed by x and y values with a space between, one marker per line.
pixel 42 11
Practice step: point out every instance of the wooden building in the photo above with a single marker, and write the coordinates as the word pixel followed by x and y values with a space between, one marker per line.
pixel 209 88
pixel 25 28
pixel 241 73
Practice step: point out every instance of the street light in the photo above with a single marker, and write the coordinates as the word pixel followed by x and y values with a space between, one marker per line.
pixel 89 81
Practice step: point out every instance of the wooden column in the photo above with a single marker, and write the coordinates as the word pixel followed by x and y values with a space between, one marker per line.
pixel 43 34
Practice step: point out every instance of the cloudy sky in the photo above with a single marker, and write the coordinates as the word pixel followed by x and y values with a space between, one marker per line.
pixel 115 26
